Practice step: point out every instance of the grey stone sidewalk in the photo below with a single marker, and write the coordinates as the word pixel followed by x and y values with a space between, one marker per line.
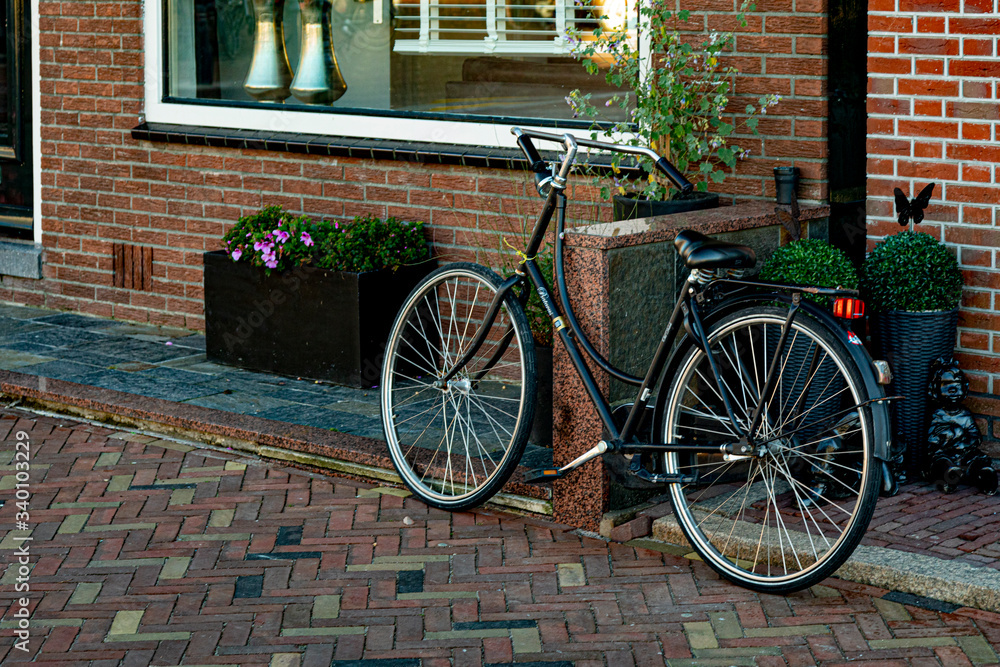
pixel 170 364
pixel 166 363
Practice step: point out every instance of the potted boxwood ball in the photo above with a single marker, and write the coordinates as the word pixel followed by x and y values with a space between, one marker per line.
pixel 310 299
pixel 818 263
pixel 912 285
pixel 810 262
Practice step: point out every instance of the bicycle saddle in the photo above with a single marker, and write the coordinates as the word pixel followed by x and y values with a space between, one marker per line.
pixel 703 252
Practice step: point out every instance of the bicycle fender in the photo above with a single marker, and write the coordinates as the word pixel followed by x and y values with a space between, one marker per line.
pixel 881 425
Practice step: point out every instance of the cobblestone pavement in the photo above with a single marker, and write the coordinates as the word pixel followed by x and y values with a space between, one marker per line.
pixel 146 551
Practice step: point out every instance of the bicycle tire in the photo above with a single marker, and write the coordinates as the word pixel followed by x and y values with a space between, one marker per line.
pixel 816 475
pixel 455 447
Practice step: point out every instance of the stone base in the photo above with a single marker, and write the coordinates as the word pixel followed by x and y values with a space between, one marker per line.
pixel 21 260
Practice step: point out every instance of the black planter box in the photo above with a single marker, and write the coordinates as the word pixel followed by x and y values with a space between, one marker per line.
pixel 629 208
pixel 304 322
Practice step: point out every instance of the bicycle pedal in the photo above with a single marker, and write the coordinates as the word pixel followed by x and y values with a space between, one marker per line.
pixel 541 476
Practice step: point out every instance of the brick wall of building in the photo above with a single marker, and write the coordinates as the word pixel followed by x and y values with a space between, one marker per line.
pixel 100 187
pixel 782 51
pixel 933 117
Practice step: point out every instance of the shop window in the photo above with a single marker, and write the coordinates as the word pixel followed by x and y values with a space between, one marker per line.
pixel 485 61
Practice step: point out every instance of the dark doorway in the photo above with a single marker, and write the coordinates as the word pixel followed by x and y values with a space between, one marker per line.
pixel 848 130
pixel 16 191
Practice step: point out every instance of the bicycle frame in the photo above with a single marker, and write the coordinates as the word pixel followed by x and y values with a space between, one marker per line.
pixel 686 313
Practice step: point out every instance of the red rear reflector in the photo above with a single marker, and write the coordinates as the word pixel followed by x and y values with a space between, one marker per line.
pixel 849 308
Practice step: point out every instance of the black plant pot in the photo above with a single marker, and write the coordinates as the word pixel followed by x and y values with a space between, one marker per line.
pixel 910 342
pixel 628 208
pixel 786 179
pixel 304 322
pixel 541 428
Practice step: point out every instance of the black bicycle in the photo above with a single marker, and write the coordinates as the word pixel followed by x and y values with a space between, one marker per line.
pixel 768 420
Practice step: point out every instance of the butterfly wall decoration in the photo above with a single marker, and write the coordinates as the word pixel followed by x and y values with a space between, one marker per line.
pixel 912 209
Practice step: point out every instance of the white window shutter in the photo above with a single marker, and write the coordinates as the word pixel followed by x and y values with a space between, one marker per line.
pixel 492 27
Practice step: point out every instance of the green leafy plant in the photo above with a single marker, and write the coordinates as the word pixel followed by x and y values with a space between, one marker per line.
pixel 911 271
pixel 275 239
pixel 538 319
pixel 511 233
pixel 369 244
pixel 676 98
pixel 810 262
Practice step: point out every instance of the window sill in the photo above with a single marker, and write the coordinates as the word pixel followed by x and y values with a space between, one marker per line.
pixel 373 149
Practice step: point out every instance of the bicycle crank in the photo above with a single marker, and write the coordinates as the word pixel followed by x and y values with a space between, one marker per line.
pixel 546 475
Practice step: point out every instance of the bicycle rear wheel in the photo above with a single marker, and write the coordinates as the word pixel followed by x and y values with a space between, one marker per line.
pixel 788 515
pixel 455 446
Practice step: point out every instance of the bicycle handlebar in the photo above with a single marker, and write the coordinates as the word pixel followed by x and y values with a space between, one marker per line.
pixel 571 143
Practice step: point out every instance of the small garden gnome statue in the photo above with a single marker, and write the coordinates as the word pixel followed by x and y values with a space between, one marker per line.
pixel 953 439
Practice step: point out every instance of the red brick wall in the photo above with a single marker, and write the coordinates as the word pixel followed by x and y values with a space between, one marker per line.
pixel 100 187
pixel 783 51
pixel 933 116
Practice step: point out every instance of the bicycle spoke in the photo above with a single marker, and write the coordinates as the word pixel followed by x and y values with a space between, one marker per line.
pixel 751 475
pixel 783 466
pixel 492 418
pixel 721 420
pixel 423 412
pixel 432 420
pixel 804 508
pixel 430 366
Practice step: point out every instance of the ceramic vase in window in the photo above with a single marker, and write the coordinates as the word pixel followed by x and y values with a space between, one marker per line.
pixel 270 73
pixel 318 80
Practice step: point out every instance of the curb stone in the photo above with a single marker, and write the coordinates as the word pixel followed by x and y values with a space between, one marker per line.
pixel 948 580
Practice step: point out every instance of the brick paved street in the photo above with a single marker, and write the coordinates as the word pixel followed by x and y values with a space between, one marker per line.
pixel 148 551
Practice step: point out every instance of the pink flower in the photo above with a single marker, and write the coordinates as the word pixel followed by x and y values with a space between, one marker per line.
pixel 306 239
pixel 272 263
pixel 237 253
pixel 281 235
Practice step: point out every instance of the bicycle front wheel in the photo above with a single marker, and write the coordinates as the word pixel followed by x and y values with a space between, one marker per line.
pixel 791 512
pixel 456 445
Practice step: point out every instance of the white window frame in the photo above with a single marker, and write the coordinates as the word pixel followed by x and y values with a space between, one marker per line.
pixel 469 133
